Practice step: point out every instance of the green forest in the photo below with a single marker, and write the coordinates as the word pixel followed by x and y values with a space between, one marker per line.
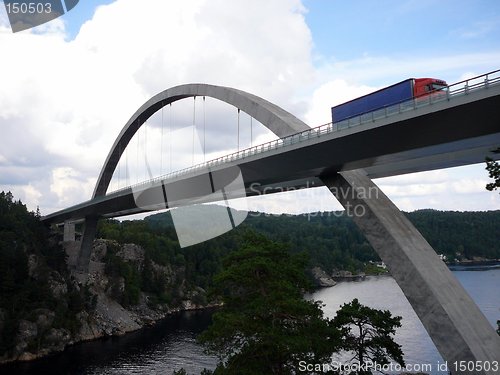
pixel 330 239
pixel 31 259
pixel 33 263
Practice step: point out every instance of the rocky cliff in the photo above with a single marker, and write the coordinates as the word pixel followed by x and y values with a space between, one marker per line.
pixel 107 300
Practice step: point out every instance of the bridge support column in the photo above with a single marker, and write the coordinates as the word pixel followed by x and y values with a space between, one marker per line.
pixel 454 322
pixel 69 231
pixel 88 237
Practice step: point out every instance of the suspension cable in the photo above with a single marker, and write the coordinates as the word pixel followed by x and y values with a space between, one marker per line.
pixel 170 138
pixel 238 129
pixel 161 142
pixel 204 125
pixel 119 163
pixel 137 156
pixel 251 131
pixel 145 150
pixel 147 168
pixel 127 176
pixel 194 127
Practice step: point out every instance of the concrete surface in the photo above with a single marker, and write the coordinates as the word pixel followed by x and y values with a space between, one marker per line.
pixel 454 322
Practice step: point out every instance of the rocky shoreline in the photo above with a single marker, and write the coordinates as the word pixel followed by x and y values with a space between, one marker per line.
pixel 93 328
pixel 324 280
pixel 39 336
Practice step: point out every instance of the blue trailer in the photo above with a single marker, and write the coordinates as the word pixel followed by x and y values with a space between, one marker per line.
pixel 397 93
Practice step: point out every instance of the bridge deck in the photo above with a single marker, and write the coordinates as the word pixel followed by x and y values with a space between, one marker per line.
pixel 448 131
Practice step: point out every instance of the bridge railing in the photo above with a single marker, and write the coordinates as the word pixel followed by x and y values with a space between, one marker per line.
pixel 461 88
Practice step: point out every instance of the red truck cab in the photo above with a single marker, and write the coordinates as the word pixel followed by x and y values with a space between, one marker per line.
pixel 426 86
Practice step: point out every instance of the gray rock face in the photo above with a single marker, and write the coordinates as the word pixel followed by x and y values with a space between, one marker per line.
pixel 72 248
pixel 27 332
pixel 58 286
pixel 131 252
pixel 99 251
pixel 112 318
pixel 37 337
pixel 322 278
pixel 44 319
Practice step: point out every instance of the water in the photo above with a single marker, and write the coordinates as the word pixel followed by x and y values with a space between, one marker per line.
pixel 168 346
pixel 172 344
pixel 382 292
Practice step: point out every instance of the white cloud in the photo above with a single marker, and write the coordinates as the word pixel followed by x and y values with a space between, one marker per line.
pixel 67 183
pixel 330 94
pixel 466 186
pixel 414 189
pixel 384 70
pixel 460 188
pixel 31 194
pixel 435 176
pixel 292 202
pixel 62 103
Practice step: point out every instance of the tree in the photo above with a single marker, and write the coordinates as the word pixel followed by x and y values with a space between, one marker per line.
pixel 493 169
pixel 265 325
pixel 367 333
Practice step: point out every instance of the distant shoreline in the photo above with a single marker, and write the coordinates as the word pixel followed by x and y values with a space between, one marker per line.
pixel 483 262
pixel 474 265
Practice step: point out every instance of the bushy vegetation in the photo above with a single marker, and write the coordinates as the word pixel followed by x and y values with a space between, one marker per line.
pixel 368 335
pixel 265 325
pixel 193 267
pixel 30 260
pixel 333 242
pixel 493 168
pixel 460 235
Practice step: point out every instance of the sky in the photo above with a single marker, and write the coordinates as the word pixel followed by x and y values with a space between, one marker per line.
pixel 68 87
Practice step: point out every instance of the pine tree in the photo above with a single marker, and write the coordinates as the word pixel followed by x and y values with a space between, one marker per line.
pixel 493 169
pixel 368 334
pixel 265 325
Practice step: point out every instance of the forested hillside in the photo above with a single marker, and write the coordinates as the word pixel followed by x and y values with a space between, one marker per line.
pixel 333 241
pixel 34 283
pixel 43 307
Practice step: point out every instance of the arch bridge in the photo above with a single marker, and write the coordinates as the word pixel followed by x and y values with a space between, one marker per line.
pixel 459 128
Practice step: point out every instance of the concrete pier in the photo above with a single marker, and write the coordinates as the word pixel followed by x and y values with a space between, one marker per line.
pixel 454 322
pixel 69 231
pixel 88 237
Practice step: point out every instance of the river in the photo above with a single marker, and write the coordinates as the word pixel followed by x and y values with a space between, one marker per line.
pixel 172 343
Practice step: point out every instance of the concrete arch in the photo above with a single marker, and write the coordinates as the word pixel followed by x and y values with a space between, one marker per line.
pixel 276 119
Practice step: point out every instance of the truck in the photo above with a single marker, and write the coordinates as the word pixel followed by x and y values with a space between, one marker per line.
pixel 412 88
